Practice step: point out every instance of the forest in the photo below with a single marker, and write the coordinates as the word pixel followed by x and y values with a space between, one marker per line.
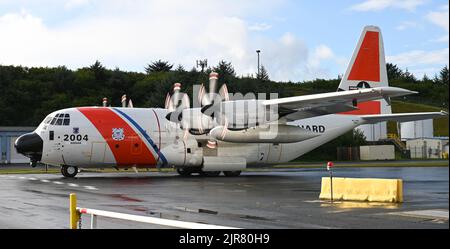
pixel 27 95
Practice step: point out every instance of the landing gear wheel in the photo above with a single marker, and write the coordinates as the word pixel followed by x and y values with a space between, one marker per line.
pixel 184 172
pixel 33 163
pixel 209 173
pixel 69 171
pixel 232 173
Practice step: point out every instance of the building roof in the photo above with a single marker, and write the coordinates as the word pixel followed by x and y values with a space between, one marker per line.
pixel 16 128
pixel 428 138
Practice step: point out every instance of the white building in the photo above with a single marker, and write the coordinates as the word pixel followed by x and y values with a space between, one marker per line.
pixel 429 148
pixel 416 129
pixel 377 152
pixel 8 136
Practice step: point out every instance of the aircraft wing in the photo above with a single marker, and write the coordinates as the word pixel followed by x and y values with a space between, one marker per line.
pixel 402 117
pixel 293 108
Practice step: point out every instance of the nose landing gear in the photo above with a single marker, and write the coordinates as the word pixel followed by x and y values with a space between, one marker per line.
pixel 33 163
pixel 69 171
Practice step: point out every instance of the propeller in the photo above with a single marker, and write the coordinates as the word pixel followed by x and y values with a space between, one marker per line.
pixel 202 119
pixel 211 104
pixel 124 102
pixel 175 104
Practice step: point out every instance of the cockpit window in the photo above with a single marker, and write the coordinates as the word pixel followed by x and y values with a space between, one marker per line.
pixel 66 119
pixel 54 119
pixel 47 120
pixel 60 119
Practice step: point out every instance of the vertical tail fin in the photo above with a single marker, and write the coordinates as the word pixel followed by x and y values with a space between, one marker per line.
pixel 367 69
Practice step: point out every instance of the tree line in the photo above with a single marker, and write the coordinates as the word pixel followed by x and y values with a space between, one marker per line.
pixel 28 94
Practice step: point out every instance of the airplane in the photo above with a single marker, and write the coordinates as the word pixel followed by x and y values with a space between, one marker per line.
pixel 220 134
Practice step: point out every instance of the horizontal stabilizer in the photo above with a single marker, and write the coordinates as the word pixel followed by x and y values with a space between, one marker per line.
pixel 402 117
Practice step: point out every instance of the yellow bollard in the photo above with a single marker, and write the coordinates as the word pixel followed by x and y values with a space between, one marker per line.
pixel 74 216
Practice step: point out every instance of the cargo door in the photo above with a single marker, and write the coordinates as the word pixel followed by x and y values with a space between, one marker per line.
pixel 98 152
pixel 274 153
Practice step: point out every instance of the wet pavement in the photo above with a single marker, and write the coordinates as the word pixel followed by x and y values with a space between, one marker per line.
pixel 277 198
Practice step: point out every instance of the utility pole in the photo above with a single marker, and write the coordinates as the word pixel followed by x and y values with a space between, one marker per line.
pixel 258 51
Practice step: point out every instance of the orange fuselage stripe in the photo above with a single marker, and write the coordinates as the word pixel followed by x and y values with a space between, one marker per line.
pixel 131 151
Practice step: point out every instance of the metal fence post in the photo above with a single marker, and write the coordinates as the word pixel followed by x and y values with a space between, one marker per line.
pixel 74 216
pixel 93 221
pixel 329 168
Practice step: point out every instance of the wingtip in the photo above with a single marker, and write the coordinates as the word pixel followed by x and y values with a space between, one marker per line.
pixel 444 113
pixel 396 90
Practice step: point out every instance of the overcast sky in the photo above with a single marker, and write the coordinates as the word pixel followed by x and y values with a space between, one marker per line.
pixel 299 40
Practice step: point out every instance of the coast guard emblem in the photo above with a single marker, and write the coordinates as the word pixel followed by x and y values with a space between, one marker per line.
pixel 117 134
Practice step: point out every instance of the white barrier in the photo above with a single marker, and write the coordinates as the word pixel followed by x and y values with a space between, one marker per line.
pixel 144 219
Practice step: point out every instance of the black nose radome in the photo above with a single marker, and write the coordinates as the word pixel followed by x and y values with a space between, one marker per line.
pixel 30 145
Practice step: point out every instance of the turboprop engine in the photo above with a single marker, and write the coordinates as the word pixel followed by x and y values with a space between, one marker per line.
pixel 263 134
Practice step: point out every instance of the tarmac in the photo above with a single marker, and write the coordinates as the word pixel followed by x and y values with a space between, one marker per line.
pixel 275 198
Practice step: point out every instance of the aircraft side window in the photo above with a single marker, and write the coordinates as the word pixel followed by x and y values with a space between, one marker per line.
pixel 54 119
pixel 66 119
pixel 60 119
pixel 47 120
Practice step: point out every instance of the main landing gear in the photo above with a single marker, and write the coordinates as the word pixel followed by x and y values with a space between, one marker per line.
pixel 190 171
pixel 69 171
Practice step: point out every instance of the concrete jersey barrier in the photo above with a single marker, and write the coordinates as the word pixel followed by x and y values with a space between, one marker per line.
pixel 362 189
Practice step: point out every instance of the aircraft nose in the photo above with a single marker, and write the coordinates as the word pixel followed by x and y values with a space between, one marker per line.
pixel 30 145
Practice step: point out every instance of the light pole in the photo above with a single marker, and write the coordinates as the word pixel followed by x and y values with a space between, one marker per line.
pixel 258 51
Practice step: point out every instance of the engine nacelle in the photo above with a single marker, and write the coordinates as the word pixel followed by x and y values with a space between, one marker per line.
pixel 241 114
pixel 263 134
pixel 224 163
pixel 194 119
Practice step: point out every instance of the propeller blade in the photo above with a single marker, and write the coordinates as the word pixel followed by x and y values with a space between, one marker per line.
pixel 175 99
pixel 223 92
pixel 212 144
pixel 185 102
pixel 166 103
pixel 213 80
pixel 201 95
pixel 124 100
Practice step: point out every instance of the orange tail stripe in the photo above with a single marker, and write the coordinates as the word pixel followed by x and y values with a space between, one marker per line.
pixel 367 63
pixel 366 108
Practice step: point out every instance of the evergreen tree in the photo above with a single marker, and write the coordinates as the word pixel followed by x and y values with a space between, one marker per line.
pixel 224 69
pixel 443 76
pixel 99 70
pixel 393 71
pixel 158 66
pixel 408 77
pixel 180 69
pixel 263 75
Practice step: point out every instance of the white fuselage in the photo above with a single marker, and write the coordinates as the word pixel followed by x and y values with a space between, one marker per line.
pixel 142 137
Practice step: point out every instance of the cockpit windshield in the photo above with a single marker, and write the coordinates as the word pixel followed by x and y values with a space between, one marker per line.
pixel 58 119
